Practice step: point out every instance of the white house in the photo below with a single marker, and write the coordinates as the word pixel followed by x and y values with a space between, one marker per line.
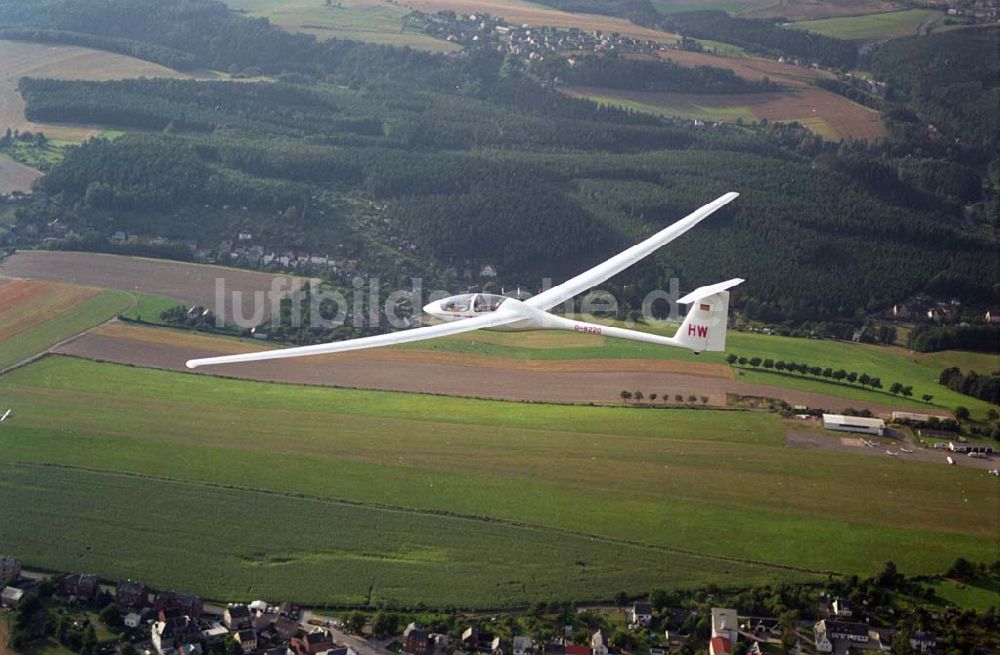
pixel 523 645
pixel 133 620
pixel 597 645
pixel 858 424
pixel 11 597
pixel 725 623
pixel 823 642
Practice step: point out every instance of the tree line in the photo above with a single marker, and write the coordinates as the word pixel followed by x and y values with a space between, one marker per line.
pixel 932 338
pixel 984 387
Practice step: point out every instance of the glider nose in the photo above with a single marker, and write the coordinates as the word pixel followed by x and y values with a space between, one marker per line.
pixel 433 308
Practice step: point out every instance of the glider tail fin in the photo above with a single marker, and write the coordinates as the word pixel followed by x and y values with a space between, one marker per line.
pixel 704 327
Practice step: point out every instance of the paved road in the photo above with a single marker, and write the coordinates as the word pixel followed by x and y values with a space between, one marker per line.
pixel 361 646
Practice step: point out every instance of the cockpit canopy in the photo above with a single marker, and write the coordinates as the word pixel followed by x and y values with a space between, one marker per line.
pixel 472 302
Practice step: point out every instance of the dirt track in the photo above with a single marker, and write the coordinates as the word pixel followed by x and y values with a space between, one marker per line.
pixel 186 283
pixel 561 381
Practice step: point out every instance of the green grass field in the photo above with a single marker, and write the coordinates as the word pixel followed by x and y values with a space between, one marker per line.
pixel 148 307
pixel 870 27
pixel 719 485
pixel 979 595
pixel 890 364
pixel 84 316
pixel 343 19
pixel 691 111
pixel 241 544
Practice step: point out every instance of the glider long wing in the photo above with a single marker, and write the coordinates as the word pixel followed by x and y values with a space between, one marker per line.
pixel 493 319
pixel 602 272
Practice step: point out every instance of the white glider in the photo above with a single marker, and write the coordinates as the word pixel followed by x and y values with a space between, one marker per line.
pixel 5 415
pixel 704 328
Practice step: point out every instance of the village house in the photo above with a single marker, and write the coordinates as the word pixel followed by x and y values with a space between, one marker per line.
pixel 187 603
pixel 247 640
pixel 523 645
pixel 479 641
pixel 725 623
pixel 131 595
pixel 760 627
pixel 827 633
pixel 923 641
pixel 313 643
pixel 574 649
pixel 416 640
pixel 286 627
pixel 10 570
pixel 173 630
pixel 597 645
pixel 640 615
pixel 842 608
pixel 214 634
pixel 499 647
pixel 237 617
pixel 80 585
pixel 11 597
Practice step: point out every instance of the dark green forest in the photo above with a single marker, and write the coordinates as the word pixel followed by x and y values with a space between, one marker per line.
pixel 417 163
pixel 765 36
pixel 950 80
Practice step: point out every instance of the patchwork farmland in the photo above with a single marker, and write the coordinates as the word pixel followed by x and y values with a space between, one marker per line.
pixel 34 316
pixel 872 27
pixel 826 114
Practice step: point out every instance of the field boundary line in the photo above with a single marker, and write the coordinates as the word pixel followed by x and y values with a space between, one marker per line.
pixel 432 513
pixel 315 385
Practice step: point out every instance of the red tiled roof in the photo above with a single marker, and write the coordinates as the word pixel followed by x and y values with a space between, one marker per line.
pixel 721 645
pixel 573 649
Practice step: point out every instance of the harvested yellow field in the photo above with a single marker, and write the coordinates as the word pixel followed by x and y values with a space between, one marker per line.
pixel 20 59
pixel 27 303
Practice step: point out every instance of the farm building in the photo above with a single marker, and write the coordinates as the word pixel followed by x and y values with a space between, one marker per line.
pixel 10 570
pixel 11 597
pixel 860 424
pixel 911 416
pixel 827 632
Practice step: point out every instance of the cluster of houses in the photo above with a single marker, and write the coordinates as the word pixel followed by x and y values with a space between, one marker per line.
pixel 476 641
pixel 178 623
pixel 939 311
pixel 840 632
pixel 532 43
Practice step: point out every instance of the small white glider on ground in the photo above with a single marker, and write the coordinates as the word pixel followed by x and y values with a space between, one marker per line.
pixel 6 415
pixel 704 328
